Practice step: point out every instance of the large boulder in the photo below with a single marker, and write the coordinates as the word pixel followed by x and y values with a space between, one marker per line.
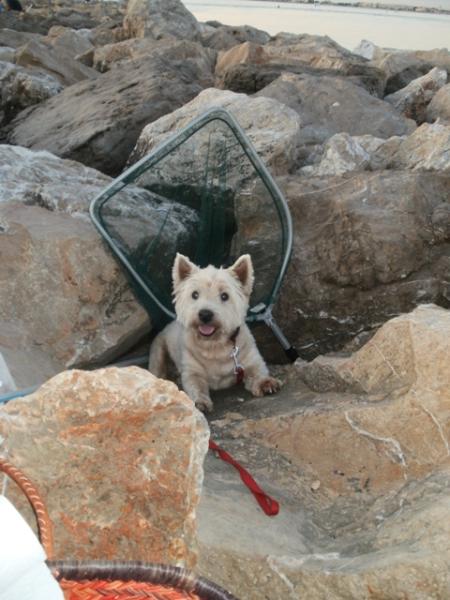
pixel 109 55
pixel 117 456
pixel 321 52
pixel 412 100
pixel 56 61
pixel 21 88
pixel 97 122
pixel 329 105
pixel 159 19
pixel 69 41
pixel 343 153
pixel 272 127
pixel 223 37
pixel 427 149
pixel 400 67
pixel 15 39
pixel 366 247
pixel 251 66
pixel 361 469
pixel 64 300
pixel 439 107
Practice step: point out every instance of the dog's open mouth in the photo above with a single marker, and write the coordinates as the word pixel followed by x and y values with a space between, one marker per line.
pixel 206 330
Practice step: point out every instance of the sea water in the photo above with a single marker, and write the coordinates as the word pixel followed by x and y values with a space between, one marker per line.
pixel 346 25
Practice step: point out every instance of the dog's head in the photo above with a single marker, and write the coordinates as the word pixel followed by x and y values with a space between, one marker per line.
pixel 213 302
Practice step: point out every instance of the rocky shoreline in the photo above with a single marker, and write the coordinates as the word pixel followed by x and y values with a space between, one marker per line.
pixel 356 446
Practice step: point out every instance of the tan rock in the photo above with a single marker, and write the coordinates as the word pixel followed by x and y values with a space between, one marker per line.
pixel 272 127
pixel 439 107
pixel 156 19
pixel 427 149
pixel 246 52
pixel 412 100
pixel 117 456
pixel 378 524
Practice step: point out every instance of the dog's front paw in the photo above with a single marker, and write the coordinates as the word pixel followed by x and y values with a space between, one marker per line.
pixel 268 385
pixel 204 404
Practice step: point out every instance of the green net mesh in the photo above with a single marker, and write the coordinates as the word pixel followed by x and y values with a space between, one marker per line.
pixel 206 194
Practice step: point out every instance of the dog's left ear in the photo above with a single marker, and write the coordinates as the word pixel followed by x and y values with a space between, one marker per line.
pixel 243 271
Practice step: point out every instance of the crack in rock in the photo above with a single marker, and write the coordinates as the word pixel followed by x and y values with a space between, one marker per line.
pixel 396 453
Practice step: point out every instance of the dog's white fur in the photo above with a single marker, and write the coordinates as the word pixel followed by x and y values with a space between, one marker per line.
pixel 201 350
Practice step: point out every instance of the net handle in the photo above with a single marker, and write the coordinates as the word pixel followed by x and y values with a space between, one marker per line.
pixel 34 498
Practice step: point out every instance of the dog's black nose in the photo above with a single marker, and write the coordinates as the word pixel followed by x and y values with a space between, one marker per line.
pixel 205 315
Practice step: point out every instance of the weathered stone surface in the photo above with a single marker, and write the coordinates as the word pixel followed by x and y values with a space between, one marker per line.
pixel 272 127
pixel 69 41
pixel 379 368
pixel 7 54
pixel 117 455
pixel 203 59
pixel 40 16
pixel 439 107
pixel 374 525
pixel 97 122
pixel 329 105
pixel 343 153
pixel 224 37
pixel 427 149
pixel 321 52
pixel 403 66
pixel 158 19
pixel 15 39
pixel 412 100
pixel 57 62
pixel 365 248
pixel 64 300
pixel 248 68
pixel 23 87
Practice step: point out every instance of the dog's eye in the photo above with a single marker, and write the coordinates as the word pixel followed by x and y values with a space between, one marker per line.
pixel 224 296
pixel 195 295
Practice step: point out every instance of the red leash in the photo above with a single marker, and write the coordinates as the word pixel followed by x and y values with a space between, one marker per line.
pixel 268 504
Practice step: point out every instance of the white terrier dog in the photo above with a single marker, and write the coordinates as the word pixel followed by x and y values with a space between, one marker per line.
pixel 210 343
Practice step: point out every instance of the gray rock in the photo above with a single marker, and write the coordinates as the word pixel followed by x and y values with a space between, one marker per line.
pixel 15 39
pixel 63 300
pixel 224 37
pixel 365 248
pixel 7 54
pixel 412 100
pixel 21 88
pixel 343 153
pixel 439 107
pixel 145 48
pixel 403 66
pixel 272 127
pixel 97 122
pixel 329 105
pixel 69 41
pixel 158 19
pixel 57 62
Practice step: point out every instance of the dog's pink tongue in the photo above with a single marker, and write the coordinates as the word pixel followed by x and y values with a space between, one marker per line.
pixel 206 329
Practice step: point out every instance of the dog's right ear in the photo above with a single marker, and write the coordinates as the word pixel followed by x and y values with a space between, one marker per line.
pixel 182 269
